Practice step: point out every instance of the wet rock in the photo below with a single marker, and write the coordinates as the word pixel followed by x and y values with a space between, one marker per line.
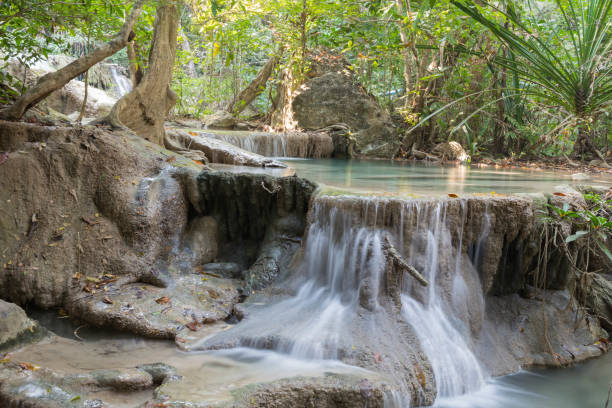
pixel 160 312
pixel 40 393
pixel 220 120
pixel 329 392
pixel 15 327
pixel 543 331
pixel 226 269
pixel 215 151
pixel 201 239
pixel 160 372
pixel 124 379
pixel 596 290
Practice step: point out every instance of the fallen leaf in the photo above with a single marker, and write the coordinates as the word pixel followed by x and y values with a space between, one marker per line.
pixel 198 162
pixel 28 366
pixel 193 326
pixel 162 300
pixel 453 195
pixel 171 159
pixel 193 133
pixel 559 194
pixel 78 397
pixel 107 300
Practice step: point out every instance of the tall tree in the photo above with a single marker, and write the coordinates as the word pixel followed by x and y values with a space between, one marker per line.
pixel 144 109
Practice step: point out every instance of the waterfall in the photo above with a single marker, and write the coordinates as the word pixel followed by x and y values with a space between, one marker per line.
pixel 122 85
pixel 277 144
pixel 442 334
pixel 344 306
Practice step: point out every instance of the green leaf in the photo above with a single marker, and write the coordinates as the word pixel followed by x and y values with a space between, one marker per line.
pixel 577 235
pixel 604 249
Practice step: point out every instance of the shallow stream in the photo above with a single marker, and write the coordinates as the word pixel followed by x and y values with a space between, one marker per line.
pixel 306 333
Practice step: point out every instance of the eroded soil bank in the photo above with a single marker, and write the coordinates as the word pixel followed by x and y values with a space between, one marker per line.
pixel 120 233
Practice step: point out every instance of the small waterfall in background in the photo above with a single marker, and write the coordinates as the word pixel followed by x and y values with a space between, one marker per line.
pixel 269 145
pixel 122 85
pixel 294 144
pixel 341 300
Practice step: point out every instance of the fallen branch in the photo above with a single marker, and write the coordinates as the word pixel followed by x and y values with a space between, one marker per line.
pixel 570 162
pixel 397 259
pixel 603 159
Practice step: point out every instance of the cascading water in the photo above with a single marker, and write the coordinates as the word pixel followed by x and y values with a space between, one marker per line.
pixel 122 85
pixel 343 307
pixel 278 144
pixel 442 334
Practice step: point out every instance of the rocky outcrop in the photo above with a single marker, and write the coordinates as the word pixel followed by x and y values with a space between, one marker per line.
pixel 15 327
pixel 263 226
pixel 101 224
pixel 334 96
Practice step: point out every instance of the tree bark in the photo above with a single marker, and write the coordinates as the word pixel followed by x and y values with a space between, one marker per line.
pixel 144 109
pixel 55 80
pixel 282 116
pixel 135 71
pixel 254 88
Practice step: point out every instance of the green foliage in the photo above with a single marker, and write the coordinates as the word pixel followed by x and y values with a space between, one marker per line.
pixel 564 60
pixel 592 223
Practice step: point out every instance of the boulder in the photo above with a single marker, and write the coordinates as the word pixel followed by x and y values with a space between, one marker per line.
pixel 15 326
pixel 336 97
pixel 220 120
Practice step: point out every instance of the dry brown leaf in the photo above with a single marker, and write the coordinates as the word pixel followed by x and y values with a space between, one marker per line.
pixel 163 300
pixel 171 159
pixel 559 194
pixel 107 300
pixel 193 326
pixel 453 195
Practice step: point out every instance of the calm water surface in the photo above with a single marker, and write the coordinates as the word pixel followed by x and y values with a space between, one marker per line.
pixel 414 178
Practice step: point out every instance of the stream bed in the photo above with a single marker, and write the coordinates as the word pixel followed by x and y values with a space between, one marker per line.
pixel 213 375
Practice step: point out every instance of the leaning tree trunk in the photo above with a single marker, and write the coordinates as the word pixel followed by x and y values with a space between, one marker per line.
pixel 144 109
pixel 56 80
pixel 254 88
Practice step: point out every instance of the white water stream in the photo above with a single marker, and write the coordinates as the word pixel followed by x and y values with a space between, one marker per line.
pixel 344 262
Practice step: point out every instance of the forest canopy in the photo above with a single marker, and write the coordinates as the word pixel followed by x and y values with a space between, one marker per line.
pixel 518 78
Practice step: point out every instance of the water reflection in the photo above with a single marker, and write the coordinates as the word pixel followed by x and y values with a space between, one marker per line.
pixel 415 178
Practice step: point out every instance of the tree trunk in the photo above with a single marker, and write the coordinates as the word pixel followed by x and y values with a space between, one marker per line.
pixel 135 70
pixel 282 116
pixel 584 149
pixel 55 80
pixel 253 89
pixel 144 109
pixel 404 51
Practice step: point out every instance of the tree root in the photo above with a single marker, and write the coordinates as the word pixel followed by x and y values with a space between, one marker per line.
pixel 397 259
